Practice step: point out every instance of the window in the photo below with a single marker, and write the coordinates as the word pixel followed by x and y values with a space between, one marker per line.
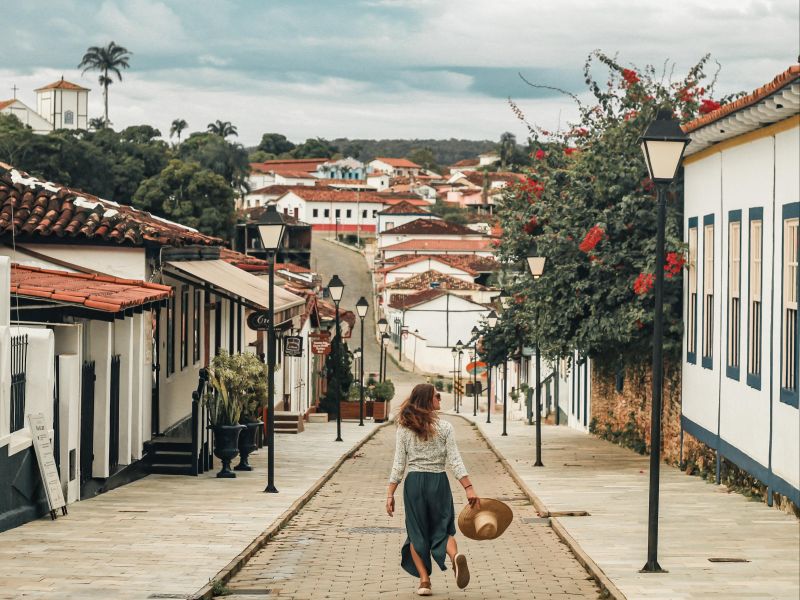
pixel 327 213
pixel 184 326
pixel 708 291
pixel 374 213
pixel 69 118
pixel 348 213
pixel 171 336
pixel 789 361
pixel 196 327
pixel 295 212
pixel 364 214
pixel 734 291
pixel 389 224
pixel 338 213
pixel 691 322
pixel 754 299
pixel 315 212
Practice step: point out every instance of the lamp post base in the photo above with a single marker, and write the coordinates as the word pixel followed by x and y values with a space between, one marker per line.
pixel 271 489
pixel 538 463
pixel 652 567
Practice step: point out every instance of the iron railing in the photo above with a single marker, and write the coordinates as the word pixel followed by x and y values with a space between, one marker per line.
pixel 19 359
pixel 87 420
pixel 113 436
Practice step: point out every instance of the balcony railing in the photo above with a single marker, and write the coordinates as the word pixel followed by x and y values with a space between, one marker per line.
pixel 19 360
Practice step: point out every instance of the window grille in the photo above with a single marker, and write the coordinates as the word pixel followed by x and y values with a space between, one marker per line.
pixel 754 335
pixel 19 364
pixel 734 295
pixel 708 291
pixel 789 329
pixel 692 320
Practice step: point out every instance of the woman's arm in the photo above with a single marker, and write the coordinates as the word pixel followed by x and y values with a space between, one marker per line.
pixel 459 470
pixel 398 469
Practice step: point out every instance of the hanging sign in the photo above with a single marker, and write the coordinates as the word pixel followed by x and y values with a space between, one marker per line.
pixel 258 320
pixel 479 366
pixel 47 464
pixel 320 347
pixel 293 345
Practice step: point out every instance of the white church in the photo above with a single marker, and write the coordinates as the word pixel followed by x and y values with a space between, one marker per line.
pixel 60 105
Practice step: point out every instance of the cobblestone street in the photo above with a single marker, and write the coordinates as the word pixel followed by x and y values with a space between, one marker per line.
pixel 343 545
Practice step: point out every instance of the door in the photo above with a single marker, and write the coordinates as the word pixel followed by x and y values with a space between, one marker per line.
pixel 154 398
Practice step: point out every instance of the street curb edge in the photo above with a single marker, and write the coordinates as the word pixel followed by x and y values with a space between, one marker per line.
pixel 233 567
pixel 606 585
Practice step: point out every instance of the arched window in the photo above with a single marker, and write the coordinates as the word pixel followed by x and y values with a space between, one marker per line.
pixel 69 118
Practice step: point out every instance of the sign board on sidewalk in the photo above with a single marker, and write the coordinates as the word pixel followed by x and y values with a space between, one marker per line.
pixel 293 345
pixel 320 347
pixel 47 464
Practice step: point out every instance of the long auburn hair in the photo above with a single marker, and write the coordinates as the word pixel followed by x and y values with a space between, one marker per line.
pixel 417 412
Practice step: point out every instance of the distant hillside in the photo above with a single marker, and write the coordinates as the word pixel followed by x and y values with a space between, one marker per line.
pixel 446 152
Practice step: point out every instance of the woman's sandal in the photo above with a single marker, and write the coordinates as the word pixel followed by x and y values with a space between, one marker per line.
pixel 424 589
pixel 461 571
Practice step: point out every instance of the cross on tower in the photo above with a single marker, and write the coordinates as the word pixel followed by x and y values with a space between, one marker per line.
pixel 15 88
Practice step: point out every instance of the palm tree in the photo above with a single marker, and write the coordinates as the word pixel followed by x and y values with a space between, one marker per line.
pixel 178 125
pixel 508 142
pixel 222 128
pixel 108 59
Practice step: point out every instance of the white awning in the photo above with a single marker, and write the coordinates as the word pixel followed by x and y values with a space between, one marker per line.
pixel 252 290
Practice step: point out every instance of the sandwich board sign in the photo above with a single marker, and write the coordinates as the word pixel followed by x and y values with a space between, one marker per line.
pixel 47 464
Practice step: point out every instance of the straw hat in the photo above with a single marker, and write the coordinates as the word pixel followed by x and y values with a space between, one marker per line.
pixel 487 523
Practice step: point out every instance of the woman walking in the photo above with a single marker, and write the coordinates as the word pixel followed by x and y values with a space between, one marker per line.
pixel 426 444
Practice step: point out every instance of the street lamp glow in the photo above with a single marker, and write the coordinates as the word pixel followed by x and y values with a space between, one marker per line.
pixel 492 319
pixel 663 144
pixel 362 306
pixel 535 263
pixel 336 288
pixel 271 228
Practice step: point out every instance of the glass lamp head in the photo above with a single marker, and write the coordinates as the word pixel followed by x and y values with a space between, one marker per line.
pixel 663 144
pixel 271 228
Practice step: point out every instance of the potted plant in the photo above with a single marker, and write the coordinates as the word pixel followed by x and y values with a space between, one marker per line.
pixel 224 410
pixel 351 408
pixel 250 385
pixel 382 393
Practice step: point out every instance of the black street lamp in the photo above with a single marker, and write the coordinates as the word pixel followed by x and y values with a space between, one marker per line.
pixel 475 333
pixel 383 325
pixel 362 306
pixel 491 320
pixel 385 345
pixel 536 267
pixel 270 230
pixel 663 144
pixel 336 289
pixel 454 352
pixel 460 348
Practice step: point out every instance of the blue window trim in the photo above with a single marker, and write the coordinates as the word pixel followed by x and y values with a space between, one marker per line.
pixel 692 356
pixel 734 216
pixel 756 213
pixel 707 361
pixel 787 396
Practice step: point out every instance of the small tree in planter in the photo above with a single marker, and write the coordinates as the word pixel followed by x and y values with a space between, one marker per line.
pixel 382 393
pixel 339 376
pixel 250 385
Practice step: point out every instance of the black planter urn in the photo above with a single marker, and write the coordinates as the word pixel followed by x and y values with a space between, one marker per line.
pixel 247 444
pixel 226 447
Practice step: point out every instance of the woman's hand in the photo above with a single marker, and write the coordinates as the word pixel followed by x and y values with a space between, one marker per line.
pixel 473 499
pixel 390 506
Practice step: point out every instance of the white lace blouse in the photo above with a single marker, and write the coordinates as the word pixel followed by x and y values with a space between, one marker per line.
pixel 427 456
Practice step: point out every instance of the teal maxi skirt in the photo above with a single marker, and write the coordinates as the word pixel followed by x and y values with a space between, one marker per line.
pixel 430 519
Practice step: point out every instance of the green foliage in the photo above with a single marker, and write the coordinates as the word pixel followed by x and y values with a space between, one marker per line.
pixel 106 59
pixel 314 148
pixel 445 152
pixel 240 383
pixel 259 156
pixel 189 194
pixel 177 127
pixel 212 152
pixel 450 212
pixel 424 157
pixel 593 176
pixel 275 144
pixel 222 128
pixel 382 391
pixel 339 376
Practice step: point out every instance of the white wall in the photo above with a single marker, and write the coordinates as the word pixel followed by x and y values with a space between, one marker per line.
pixel 118 261
pixel 305 211
pixel 389 239
pixel 390 221
pixel 427 265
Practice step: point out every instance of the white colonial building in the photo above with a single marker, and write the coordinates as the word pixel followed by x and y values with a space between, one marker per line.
pixel 395 167
pixel 742 203
pixel 60 105
pixel 328 209
pixel 401 213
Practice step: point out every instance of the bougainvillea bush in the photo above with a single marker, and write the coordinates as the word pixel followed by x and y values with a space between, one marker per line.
pixel 589 207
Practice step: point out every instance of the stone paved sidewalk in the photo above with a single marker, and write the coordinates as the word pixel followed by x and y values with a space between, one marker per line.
pixel 343 545
pixel 698 520
pixel 163 536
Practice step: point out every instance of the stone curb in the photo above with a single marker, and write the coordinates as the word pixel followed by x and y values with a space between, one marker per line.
pixel 607 587
pixel 233 567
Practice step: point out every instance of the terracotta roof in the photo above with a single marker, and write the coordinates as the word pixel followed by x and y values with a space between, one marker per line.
pixel 782 80
pixel 295 174
pixel 43 210
pixel 288 164
pixel 431 227
pixel 477 177
pixel 377 174
pixel 441 281
pixel 402 163
pixel 275 189
pixel 404 207
pixel 391 201
pixel 5 103
pixel 243 261
pixel 467 162
pixel 254 214
pixel 62 84
pixel 318 194
pixel 443 245
pixel 404 301
pixel 99 292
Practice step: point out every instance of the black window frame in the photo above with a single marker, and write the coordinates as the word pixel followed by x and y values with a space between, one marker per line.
pixel 184 327
pixel 196 322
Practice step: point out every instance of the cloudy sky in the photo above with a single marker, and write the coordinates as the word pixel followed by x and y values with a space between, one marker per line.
pixel 377 68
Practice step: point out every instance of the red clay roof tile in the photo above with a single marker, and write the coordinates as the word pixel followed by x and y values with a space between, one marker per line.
pixel 431 227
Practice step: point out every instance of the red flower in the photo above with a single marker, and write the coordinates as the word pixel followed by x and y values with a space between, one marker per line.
pixel 531 186
pixel 674 264
pixel 647 184
pixel 708 105
pixel 643 284
pixel 570 151
pixel 531 225
pixel 593 237
pixel 630 77
pixel 631 114
pixel 581 132
pixel 686 94
pixel 539 154
pixel 639 324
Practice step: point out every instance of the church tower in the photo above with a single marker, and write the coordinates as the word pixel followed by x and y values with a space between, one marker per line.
pixel 64 105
